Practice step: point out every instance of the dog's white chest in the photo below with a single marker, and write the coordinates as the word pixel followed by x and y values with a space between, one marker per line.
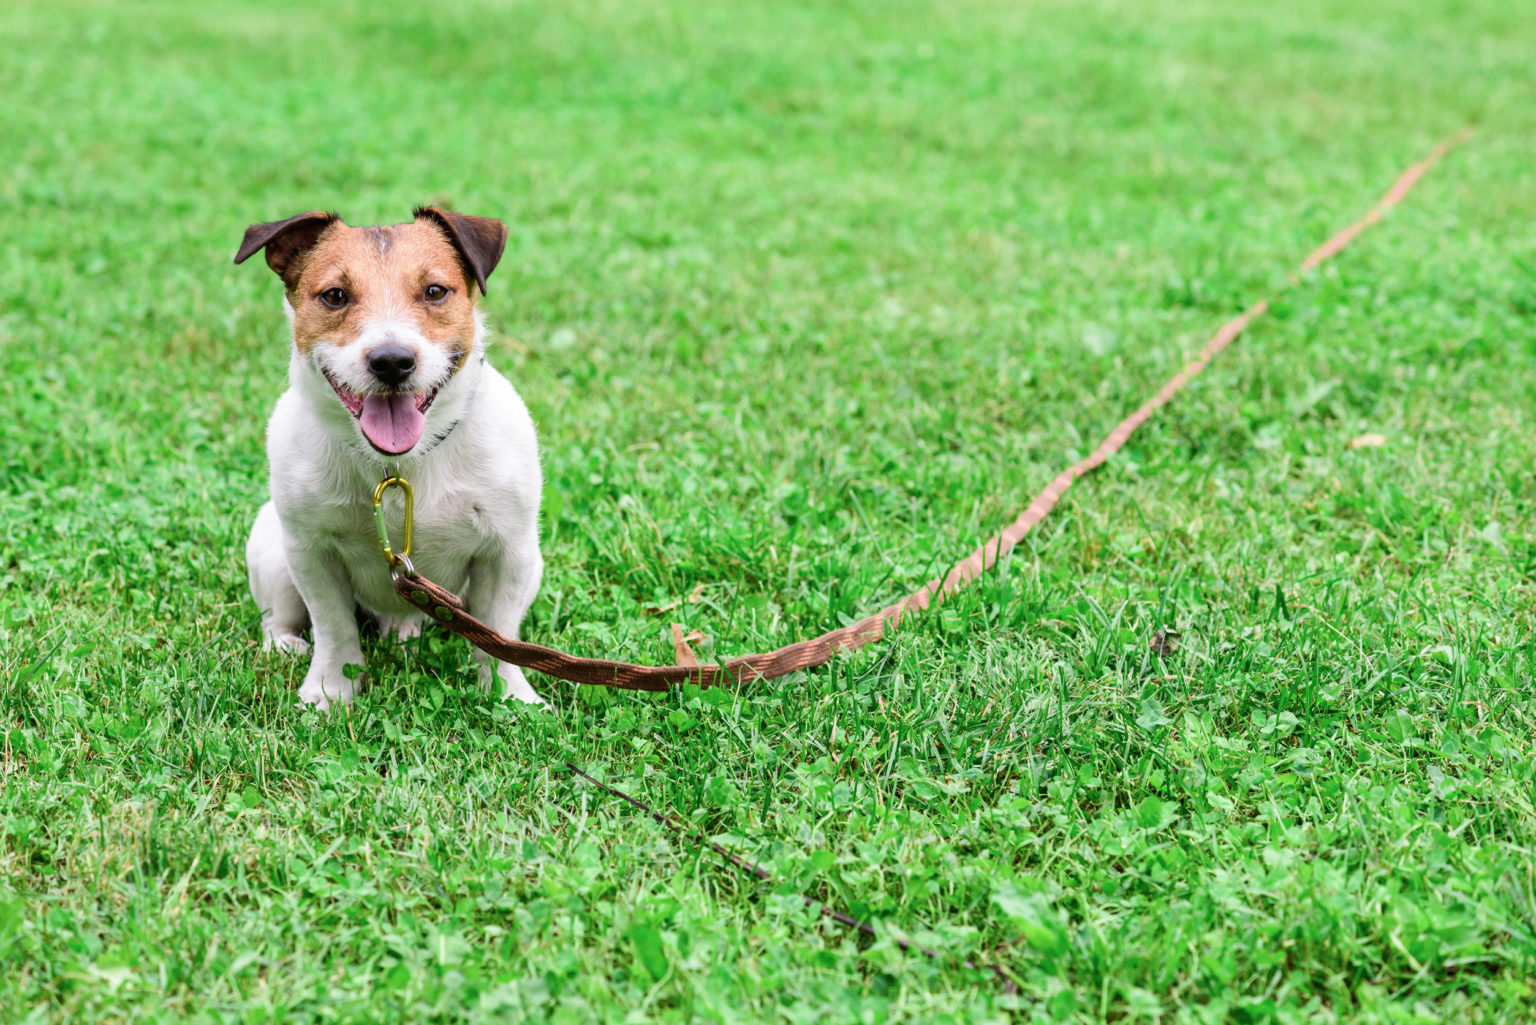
pixel 449 533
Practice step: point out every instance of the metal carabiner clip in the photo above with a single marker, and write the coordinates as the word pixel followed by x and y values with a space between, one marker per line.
pixel 400 560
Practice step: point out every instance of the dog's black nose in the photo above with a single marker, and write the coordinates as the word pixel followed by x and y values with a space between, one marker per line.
pixel 391 363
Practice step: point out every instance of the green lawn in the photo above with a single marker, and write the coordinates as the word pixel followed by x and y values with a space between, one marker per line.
pixel 806 300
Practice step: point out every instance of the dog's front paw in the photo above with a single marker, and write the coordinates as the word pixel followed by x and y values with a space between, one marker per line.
pixel 326 689
pixel 287 643
pixel 513 684
pixel 403 628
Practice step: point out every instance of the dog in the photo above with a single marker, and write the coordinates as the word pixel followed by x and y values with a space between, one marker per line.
pixel 388 376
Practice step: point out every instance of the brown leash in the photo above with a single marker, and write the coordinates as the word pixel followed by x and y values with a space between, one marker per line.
pixel 448 609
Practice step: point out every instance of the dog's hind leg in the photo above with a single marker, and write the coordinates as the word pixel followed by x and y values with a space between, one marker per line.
pixel 283 614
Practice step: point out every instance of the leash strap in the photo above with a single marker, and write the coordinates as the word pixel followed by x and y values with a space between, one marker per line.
pixel 448 609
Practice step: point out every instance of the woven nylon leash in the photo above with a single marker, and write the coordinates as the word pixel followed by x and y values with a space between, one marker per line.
pixel 449 610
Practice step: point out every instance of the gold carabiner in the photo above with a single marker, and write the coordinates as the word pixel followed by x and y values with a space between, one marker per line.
pixel 402 558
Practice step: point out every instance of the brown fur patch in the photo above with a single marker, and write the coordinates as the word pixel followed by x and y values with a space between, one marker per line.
pixel 385 272
pixel 383 238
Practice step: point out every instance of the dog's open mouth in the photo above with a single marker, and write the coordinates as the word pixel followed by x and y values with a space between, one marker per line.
pixel 391 421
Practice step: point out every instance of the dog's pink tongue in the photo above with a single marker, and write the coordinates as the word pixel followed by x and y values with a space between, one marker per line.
pixel 392 422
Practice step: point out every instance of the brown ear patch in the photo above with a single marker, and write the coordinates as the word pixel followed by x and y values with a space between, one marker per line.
pixel 285 242
pixel 479 240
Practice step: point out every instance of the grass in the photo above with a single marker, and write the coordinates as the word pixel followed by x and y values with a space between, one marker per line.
pixel 806 300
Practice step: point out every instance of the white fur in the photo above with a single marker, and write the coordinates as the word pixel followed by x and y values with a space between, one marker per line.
pixel 314 555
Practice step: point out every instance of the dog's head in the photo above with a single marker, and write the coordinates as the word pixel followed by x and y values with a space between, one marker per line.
pixel 386 315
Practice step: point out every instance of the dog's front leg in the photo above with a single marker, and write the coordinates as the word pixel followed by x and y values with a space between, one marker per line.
pixel 499 593
pixel 328 593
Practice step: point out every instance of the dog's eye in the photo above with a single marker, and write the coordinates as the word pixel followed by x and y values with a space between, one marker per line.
pixel 435 293
pixel 335 298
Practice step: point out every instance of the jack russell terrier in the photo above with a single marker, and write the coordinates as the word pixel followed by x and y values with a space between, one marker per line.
pixel 388 376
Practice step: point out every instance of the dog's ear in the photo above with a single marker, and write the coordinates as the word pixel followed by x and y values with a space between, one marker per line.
pixel 479 240
pixel 285 242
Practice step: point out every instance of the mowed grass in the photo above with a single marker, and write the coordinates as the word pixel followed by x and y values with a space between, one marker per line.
pixel 806 301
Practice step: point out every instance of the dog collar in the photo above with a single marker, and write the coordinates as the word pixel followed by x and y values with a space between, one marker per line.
pixel 441 437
